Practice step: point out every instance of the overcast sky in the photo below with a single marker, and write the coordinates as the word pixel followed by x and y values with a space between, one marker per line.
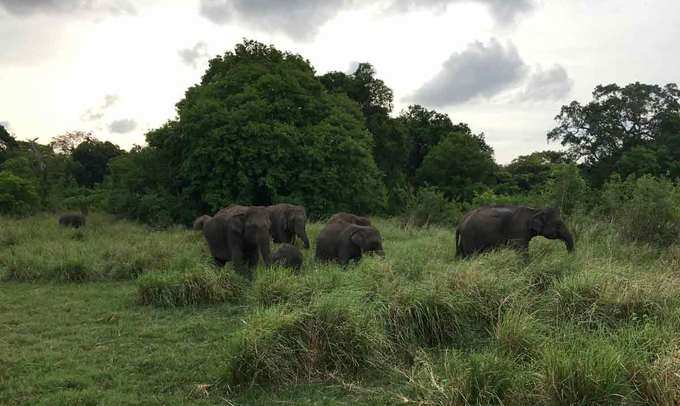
pixel 505 67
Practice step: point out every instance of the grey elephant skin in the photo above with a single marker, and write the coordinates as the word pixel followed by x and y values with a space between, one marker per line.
pixel 200 221
pixel 74 220
pixel 350 218
pixel 488 227
pixel 343 242
pixel 288 221
pixel 288 256
pixel 239 234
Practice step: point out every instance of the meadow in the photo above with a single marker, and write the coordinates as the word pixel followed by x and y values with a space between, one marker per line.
pixel 120 313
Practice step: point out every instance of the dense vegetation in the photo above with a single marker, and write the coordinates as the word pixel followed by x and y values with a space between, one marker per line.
pixel 134 312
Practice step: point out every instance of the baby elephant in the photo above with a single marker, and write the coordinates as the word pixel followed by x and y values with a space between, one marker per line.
pixel 349 218
pixel 74 220
pixel 288 256
pixel 343 242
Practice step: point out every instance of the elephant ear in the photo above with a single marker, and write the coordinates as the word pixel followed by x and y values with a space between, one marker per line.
pixel 359 239
pixel 537 222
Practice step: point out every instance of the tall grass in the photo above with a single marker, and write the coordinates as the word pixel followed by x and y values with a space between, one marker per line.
pixel 599 326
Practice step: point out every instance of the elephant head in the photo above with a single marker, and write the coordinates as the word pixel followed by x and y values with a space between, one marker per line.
pixel 253 227
pixel 367 239
pixel 548 223
pixel 288 221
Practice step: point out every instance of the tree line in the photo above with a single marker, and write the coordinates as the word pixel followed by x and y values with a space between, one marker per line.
pixel 261 127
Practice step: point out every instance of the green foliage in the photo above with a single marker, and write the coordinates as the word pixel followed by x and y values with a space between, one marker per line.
pixel 18 196
pixel 646 209
pixel 261 128
pixel 529 173
pixel 565 189
pixel 459 165
pixel 631 129
pixel 430 206
pixel 91 159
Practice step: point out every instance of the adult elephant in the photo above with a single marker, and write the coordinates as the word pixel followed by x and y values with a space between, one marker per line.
pixel 200 221
pixel 488 227
pixel 350 218
pixel 288 221
pixel 239 234
pixel 343 242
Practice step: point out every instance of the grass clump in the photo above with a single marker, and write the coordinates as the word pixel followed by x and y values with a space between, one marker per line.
pixel 282 346
pixel 455 378
pixel 189 283
pixel 519 333
pixel 585 372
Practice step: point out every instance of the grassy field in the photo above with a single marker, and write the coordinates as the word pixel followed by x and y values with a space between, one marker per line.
pixel 117 313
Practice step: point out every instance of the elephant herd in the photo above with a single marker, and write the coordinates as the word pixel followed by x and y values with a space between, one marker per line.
pixel 242 234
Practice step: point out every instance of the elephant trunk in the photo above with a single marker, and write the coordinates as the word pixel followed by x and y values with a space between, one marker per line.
pixel 566 236
pixel 301 232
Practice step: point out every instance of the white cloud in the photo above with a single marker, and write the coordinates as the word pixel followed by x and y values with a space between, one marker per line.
pixel 191 56
pixel 481 70
pixel 122 126
pixel 551 84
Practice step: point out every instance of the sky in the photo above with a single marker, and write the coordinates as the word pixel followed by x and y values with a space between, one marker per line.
pixel 505 67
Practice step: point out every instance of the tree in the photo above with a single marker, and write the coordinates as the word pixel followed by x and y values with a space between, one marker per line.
pixel 616 121
pixel 528 173
pixel 459 166
pixel 6 139
pixel 425 129
pixel 260 128
pixel 18 196
pixel 67 142
pixel 91 158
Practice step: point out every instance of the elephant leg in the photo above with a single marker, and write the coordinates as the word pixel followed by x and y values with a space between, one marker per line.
pixel 237 257
pixel 253 257
pixel 219 262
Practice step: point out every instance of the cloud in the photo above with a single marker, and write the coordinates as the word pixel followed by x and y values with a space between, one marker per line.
pixel 504 12
pixel 481 70
pixel 301 19
pixel 123 126
pixel 97 113
pixel 191 56
pixel 30 7
pixel 551 84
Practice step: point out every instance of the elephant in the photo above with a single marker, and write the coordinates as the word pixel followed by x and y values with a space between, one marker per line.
pixel 239 234
pixel 288 256
pixel 343 242
pixel 349 218
pixel 288 221
pixel 488 227
pixel 74 220
pixel 200 221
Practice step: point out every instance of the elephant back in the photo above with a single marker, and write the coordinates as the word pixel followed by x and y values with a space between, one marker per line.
pixel 350 218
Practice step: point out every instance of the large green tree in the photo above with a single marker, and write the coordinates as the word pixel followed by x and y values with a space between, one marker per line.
pixel 91 158
pixel 261 128
pixel 459 165
pixel 621 128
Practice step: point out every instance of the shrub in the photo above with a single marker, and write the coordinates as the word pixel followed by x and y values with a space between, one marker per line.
pixel 429 206
pixel 18 196
pixel 566 189
pixel 646 209
pixel 283 346
pixel 488 197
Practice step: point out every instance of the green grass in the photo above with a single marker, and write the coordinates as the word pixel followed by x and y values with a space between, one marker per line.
pixel 117 313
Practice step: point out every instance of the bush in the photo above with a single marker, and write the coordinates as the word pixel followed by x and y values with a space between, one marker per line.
pixel 18 196
pixel 488 197
pixel 646 209
pixel 429 206
pixel 566 189
pixel 284 346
